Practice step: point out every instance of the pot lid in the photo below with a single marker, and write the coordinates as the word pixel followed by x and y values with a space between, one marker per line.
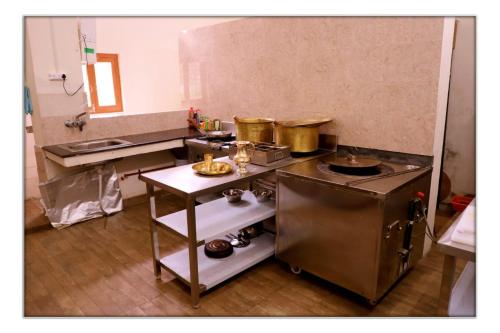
pixel 304 122
pixel 352 161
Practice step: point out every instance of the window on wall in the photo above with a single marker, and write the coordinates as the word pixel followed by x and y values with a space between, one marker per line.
pixel 102 80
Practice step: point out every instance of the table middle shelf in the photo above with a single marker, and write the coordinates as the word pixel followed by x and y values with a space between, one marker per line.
pixel 218 216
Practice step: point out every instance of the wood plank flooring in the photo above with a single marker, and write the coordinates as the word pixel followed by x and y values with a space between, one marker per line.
pixel 103 267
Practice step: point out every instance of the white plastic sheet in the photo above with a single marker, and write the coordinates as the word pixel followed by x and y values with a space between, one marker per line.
pixel 81 196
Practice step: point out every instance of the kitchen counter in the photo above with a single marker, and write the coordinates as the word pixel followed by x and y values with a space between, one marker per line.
pixel 185 182
pixel 135 140
pixel 198 224
pixel 451 291
pixel 315 170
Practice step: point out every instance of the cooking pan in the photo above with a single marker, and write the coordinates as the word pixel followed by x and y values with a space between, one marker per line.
pixel 217 134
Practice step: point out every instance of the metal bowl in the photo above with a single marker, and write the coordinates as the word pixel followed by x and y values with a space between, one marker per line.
pixel 262 195
pixel 233 194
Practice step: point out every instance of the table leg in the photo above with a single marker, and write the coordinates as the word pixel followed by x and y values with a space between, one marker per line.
pixel 153 230
pixel 446 284
pixel 193 252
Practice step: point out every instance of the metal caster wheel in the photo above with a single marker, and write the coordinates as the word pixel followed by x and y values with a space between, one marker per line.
pixel 295 269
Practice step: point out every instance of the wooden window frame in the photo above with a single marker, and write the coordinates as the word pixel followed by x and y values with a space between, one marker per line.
pixel 113 59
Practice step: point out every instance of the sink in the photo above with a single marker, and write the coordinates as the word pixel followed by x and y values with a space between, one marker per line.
pixel 96 145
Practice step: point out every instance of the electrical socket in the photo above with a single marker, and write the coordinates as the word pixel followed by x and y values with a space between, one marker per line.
pixel 56 76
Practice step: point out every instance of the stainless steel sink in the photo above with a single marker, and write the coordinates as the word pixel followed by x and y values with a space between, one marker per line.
pixel 96 145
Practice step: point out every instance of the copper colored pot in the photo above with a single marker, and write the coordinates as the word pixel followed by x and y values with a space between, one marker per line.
pixel 301 135
pixel 254 129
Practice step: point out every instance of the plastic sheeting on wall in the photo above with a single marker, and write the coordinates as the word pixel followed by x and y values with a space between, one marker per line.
pixel 73 198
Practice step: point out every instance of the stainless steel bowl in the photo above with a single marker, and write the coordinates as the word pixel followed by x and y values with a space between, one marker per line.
pixel 233 194
pixel 262 195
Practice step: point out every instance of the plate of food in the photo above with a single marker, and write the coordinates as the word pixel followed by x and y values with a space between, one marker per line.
pixel 213 168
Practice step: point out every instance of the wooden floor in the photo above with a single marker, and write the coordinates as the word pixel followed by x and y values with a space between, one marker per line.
pixel 103 267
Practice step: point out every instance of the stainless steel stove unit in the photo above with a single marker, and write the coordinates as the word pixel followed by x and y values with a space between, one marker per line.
pixel 199 146
pixel 360 235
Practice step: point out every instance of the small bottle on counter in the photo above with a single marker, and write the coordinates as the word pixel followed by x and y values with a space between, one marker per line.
pixel 207 124
pixel 196 118
pixel 217 126
pixel 190 119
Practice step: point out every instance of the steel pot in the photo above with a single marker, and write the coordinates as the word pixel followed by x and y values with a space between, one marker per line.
pixel 301 135
pixel 254 129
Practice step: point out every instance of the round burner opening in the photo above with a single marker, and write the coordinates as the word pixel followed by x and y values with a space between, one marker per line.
pixel 372 171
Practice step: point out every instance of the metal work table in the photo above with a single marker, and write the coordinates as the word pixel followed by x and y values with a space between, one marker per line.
pixel 183 182
pixel 451 250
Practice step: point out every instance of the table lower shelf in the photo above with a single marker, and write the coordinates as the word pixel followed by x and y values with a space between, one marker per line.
pixel 214 271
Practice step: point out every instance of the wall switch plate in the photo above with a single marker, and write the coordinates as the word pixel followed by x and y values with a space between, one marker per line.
pixel 56 76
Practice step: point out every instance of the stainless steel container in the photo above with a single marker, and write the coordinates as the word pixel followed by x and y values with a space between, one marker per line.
pixel 351 236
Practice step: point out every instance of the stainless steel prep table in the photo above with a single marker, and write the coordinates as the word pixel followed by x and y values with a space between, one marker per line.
pixel 183 182
pixel 451 251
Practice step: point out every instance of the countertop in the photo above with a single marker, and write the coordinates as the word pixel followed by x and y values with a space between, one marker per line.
pixel 313 170
pixel 183 181
pixel 136 140
pixel 446 244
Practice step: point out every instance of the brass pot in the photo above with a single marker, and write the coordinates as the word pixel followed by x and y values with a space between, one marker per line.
pixel 254 129
pixel 301 135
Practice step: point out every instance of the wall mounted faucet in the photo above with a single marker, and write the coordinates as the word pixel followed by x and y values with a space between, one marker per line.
pixel 76 122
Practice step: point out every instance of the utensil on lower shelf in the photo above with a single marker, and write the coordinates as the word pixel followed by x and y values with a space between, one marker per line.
pixel 234 241
pixel 218 248
pixel 262 195
pixel 233 194
pixel 252 231
pixel 238 241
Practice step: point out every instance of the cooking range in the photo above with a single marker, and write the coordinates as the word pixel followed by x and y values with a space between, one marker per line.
pixel 358 222
pixel 202 145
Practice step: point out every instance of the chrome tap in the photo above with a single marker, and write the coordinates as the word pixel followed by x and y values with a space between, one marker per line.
pixel 76 122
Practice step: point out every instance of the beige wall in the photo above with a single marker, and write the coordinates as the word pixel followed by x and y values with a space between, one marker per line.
pixel 148 49
pixel 376 77
pixel 460 143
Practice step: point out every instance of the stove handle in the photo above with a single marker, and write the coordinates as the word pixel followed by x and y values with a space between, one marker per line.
pixel 394 225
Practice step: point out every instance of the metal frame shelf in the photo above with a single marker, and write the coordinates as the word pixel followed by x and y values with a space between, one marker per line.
pixel 211 272
pixel 219 216
pixel 209 220
pixel 181 181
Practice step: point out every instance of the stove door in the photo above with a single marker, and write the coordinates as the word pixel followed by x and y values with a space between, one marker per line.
pixel 395 261
pixel 331 232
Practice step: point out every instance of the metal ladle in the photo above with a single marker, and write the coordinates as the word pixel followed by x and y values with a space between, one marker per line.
pixel 234 241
